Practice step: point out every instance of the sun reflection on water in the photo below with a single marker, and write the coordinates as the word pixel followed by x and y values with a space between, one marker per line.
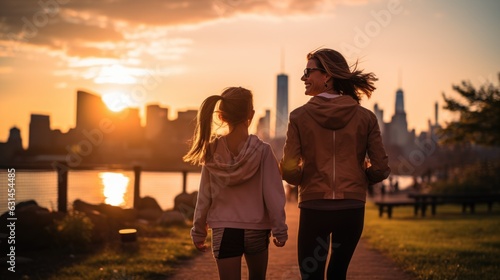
pixel 115 187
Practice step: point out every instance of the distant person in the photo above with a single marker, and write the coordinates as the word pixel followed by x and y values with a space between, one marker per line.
pixel 241 195
pixel 324 154
pixel 416 185
pixel 382 189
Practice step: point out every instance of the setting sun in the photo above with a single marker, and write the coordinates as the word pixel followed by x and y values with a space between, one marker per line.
pixel 115 101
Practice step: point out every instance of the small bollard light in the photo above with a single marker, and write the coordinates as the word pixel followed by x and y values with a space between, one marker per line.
pixel 128 235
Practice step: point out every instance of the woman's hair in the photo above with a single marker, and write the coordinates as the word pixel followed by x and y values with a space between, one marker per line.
pixel 354 83
pixel 234 107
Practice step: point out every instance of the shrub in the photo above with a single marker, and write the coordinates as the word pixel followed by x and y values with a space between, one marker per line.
pixel 74 231
pixel 481 177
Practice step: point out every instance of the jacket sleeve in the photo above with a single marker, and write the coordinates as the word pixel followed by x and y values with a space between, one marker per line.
pixel 291 163
pixel 379 169
pixel 203 202
pixel 274 195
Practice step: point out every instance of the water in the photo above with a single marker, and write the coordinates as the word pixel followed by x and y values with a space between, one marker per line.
pixel 96 187
pixel 115 188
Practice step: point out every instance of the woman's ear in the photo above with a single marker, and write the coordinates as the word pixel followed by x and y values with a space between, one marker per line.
pixel 328 77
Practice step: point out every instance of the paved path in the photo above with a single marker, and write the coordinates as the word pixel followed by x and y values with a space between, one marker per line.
pixel 366 263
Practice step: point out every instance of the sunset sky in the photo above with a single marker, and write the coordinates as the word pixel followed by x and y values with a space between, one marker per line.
pixel 176 53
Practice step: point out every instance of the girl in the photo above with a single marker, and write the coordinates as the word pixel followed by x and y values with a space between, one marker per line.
pixel 241 196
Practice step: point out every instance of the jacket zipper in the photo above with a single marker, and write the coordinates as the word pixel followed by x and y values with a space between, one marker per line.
pixel 333 183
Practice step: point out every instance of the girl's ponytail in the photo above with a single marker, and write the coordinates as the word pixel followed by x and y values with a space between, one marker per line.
pixel 199 151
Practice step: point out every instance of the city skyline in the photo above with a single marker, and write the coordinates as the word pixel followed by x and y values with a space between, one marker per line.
pixel 177 54
pixel 261 123
pixel 105 136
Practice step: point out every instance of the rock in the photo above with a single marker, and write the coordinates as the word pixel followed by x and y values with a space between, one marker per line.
pixel 32 227
pixel 186 203
pixel 171 217
pixel 148 202
pixel 115 214
pixel 149 209
pixel 149 214
pixel 120 215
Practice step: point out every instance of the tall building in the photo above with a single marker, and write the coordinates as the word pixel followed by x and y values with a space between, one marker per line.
pixel 14 139
pixel 183 126
pixel 281 107
pixel 14 145
pixel 156 119
pixel 264 126
pixel 90 110
pixel 379 113
pixel 399 127
pixel 39 134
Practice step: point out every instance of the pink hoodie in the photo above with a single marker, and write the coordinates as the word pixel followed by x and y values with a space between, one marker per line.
pixel 243 192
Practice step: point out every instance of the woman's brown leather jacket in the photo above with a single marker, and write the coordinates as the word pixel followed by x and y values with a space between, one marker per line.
pixel 327 142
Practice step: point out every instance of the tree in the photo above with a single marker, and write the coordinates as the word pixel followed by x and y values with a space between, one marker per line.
pixel 479 120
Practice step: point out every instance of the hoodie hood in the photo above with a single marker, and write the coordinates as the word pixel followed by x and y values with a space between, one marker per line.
pixel 234 171
pixel 331 113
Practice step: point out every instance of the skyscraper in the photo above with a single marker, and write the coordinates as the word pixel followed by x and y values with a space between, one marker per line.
pixel 399 126
pixel 380 117
pixel 400 105
pixel 39 134
pixel 281 106
pixel 156 119
pixel 263 126
pixel 90 110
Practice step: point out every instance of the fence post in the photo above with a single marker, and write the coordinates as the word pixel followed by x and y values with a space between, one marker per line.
pixel 137 186
pixel 62 189
pixel 184 181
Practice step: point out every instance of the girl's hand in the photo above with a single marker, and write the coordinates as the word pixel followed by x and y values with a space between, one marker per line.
pixel 277 243
pixel 201 246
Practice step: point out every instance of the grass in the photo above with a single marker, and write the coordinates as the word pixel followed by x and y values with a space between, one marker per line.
pixel 450 245
pixel 155 255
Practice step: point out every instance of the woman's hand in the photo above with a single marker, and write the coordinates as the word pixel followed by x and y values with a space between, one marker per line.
pixel 277 243
pixel 368 164
pixel 201 246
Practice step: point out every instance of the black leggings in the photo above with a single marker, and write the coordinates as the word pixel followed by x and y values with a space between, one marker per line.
pixel 315 227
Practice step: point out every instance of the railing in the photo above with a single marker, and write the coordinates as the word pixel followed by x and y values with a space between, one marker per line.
pixel 62 177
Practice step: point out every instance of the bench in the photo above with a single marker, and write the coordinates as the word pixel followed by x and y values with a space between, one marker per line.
pixel 386 207
pixel 420 202
pixel 466 200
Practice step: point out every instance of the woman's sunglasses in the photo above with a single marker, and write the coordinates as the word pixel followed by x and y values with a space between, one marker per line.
pixel 307 71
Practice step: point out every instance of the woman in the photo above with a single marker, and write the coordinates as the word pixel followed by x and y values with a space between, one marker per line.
pixel 327 142
pixel 241 195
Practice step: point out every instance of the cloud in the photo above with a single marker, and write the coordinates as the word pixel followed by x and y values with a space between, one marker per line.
pixel 71 26
pixel 127 32
pixel 66 24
